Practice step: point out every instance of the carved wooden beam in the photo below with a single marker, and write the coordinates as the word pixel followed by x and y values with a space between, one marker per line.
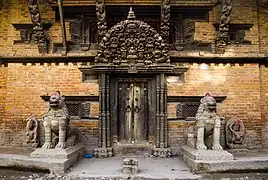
pixel 165 20
pixel 64 42
pixel 263 3
pixel 40 37
pixel 222 37
pixel 101 18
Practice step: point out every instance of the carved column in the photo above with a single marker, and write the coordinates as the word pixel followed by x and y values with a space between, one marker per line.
pixel 161 149
pixel 157 111
pixel 104 143
pixel 101 18
pixel 222 38
pixel 64 42
pixel 165 20
pixel 40 38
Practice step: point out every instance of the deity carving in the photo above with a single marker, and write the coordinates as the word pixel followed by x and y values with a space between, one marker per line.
pixel 235 133
pixel 207 129
pixel 132 41
pixel 56 121
pixel 32 128
pixel 224 24
pixel 165 20
pixel 101 18
pixel 40 38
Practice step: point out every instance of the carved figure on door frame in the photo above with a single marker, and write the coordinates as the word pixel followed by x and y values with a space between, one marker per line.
pixel 235 133
pixel 208 124
pixel 56 121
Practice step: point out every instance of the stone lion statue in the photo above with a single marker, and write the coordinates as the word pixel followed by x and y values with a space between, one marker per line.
pixel 56 122
pixel 208 125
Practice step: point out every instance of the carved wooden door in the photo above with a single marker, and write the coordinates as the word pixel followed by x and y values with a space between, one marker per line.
pixel 133 112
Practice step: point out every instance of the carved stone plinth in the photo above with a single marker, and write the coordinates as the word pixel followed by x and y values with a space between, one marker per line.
pixel 59 159
pixel 103 152
pixel 191 140
pixel 59 153
pixel 196 158
pixel 130 166
pixel 162 152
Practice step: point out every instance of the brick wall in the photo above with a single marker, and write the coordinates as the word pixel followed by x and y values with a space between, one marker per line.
pixel 243 12
pixel 21 85
pixel 264 103
pixel 25 85
pixel 3 83
pixel 241 85
pixel 263 28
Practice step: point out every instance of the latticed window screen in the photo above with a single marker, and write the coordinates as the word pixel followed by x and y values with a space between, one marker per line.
pixel 192 109
pixel 186 110
pixel 73 109
pixel 79 109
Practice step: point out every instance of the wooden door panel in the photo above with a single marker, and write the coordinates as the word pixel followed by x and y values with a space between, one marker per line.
pixel 132 112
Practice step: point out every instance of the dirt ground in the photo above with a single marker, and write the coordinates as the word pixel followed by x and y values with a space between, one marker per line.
pixel 6 174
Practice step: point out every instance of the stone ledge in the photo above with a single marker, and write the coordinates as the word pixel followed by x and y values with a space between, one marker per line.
pixel 204 163
pixel 45 160
pixel 58 153
pixel 208 155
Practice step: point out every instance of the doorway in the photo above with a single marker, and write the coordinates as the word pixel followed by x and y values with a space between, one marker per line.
pixel 132 112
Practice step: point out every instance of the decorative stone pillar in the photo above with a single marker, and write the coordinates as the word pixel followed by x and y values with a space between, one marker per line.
pixel 222 37
pixel 104 149
pixel 161 149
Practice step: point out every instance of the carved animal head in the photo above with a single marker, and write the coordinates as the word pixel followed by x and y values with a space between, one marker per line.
pixel 55 100
pixel 209 102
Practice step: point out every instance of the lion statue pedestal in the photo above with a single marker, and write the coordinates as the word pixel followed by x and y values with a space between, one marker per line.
pixel 60 149
pixel 203 145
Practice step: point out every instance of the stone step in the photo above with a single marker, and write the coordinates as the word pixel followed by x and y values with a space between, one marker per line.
pixel 132 149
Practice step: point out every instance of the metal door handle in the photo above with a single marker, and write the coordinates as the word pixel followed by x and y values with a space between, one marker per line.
pixel 137 109
pixel 128 108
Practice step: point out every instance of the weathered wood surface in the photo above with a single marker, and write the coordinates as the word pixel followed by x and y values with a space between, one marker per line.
pixel 139 2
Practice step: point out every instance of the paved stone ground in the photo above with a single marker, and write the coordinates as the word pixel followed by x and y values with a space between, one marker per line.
pixel 19 175
pixel 93 168
pixel 172 168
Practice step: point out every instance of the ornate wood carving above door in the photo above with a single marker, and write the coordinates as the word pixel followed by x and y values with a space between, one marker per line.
pixel 138 2
pixel 132 43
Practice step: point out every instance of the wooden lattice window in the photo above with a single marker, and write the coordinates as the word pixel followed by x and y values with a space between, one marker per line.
pixel 187 110
pixel 79 110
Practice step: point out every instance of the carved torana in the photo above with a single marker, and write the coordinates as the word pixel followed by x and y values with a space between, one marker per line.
pixel 40 37
pixel 165 20
pixel 56 121
pixel 101 18
pixel 235 133
pixel 132 41
pixel 222 38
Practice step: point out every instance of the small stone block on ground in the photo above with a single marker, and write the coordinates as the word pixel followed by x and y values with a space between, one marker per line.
pixel 130 166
